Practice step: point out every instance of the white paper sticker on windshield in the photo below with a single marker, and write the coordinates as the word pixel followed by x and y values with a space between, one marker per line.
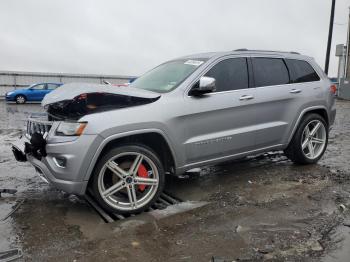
pixel 194 62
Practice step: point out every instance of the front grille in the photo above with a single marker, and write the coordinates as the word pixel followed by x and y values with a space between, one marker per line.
pixel 37 125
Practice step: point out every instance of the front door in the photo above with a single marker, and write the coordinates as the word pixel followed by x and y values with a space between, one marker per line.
pixel 38 92
pixel 221 124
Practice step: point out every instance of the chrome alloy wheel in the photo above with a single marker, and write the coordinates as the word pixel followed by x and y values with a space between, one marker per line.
pixel 314 139
pixel 128 181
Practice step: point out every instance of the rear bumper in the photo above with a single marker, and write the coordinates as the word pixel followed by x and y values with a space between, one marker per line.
pixel 69 178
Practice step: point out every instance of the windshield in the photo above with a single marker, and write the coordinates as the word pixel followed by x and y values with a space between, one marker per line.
pixel 167 76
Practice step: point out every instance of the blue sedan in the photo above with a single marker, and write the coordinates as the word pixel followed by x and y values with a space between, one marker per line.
pixel 35 92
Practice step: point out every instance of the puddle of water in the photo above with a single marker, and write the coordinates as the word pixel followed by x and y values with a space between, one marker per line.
pixel 342 253
pixel 177 208
pixel 152 216
pixel 90 224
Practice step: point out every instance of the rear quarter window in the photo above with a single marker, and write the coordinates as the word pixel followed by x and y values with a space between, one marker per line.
pixel 301 71
pixel 270 71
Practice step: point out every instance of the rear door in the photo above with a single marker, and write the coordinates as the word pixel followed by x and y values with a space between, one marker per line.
pixel 50 87
pixel 220 124
pixel 279 100
pixel 307 83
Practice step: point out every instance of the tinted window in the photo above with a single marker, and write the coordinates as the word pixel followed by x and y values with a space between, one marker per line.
pixel 52 86
pixel 230 74
pixel 270 71
pixel 301 71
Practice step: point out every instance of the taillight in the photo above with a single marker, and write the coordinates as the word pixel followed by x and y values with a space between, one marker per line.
pixel 333 89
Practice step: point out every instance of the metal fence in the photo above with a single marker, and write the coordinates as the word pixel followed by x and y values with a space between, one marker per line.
pixel 10 80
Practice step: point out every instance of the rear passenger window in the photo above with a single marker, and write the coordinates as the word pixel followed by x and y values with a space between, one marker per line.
pixel 301 71
pixel 270 71
pixel 230 74
pixel 52 86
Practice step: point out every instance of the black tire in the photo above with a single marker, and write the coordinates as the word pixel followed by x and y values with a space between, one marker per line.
pixel 294 150
pixel 20 99
pixel 137 148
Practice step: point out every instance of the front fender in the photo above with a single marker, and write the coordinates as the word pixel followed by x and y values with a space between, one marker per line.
pixel 110 138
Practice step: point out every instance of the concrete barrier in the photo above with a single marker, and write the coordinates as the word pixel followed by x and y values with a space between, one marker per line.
pixel 10 80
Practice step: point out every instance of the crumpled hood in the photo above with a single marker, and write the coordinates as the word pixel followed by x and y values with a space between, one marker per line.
pixel 72 90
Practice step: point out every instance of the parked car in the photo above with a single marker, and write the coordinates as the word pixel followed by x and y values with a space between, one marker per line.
pixel 334 80
pixel 198 110
pixel 35 92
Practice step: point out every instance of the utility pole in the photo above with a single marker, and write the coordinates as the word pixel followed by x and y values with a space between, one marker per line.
pixel 330 35
pixel 347 58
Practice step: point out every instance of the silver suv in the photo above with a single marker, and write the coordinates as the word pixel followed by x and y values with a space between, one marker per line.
pixel 121 142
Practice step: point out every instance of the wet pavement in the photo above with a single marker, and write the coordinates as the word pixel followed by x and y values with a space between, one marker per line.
pixel 259 208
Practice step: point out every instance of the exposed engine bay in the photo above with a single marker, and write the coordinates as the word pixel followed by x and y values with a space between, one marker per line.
pixel 90 103
pixel 72 101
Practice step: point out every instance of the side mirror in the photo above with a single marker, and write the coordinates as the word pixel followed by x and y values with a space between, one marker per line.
pixel 206 85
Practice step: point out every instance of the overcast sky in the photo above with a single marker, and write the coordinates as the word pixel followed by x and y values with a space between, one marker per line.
pixel 130 37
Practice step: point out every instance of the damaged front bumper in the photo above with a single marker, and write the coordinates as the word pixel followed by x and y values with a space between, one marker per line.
pixel 62 157
pixel 63 165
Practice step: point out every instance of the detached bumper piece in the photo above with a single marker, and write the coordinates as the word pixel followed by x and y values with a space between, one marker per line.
pixel 35 147
pixel 19 155
pixel 7 191
pixel 10 255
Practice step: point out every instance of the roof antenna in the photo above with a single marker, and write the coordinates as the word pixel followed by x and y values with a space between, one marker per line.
pixel 106 82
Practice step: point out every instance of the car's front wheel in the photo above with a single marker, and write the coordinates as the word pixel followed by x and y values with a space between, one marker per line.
pixel 20 99
pixel 309 141
pixel 128 179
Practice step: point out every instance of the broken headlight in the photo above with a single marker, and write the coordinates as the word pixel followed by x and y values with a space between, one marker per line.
pixel 70 128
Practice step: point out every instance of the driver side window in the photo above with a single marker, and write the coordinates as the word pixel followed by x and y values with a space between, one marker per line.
pixel 230 74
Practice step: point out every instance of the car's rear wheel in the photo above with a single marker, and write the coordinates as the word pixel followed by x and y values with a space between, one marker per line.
pixel 20 99
pixel 309 141
pixel 128 179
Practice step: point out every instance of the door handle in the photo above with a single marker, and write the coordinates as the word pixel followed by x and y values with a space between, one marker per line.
pixel 246 97
pixel 295 91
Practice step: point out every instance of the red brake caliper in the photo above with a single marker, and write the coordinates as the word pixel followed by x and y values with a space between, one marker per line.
pixel 142 172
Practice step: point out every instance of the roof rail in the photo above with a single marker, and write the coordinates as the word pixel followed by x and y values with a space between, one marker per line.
pixel 268 51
